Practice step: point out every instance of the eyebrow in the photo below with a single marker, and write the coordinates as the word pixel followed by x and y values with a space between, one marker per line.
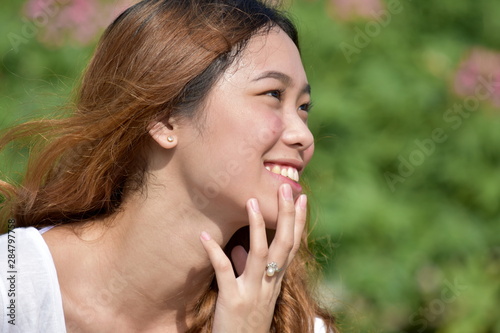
pixel 285 79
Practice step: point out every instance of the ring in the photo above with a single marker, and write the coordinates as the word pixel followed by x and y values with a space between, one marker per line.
pixel 272 268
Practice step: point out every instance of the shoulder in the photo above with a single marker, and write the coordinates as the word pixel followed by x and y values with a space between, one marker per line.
pixel 30 296
pixel 26 250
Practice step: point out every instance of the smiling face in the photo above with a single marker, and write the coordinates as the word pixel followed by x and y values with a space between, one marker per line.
pixel 252 134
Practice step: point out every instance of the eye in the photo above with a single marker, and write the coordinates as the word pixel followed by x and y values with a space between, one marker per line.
pixel 275 93
pixel 306 107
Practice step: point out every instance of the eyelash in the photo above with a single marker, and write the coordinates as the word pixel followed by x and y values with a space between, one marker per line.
pixel 279 93
pixel 304 107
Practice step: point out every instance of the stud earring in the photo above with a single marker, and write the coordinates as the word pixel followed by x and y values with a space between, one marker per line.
pixel 170 139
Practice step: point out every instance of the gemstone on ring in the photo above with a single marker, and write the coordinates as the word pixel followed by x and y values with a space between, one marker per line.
pixel 272 268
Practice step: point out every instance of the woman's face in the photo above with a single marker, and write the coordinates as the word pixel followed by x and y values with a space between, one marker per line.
pixel 252 134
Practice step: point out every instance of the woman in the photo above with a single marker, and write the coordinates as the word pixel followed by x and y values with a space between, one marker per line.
pixel 188 137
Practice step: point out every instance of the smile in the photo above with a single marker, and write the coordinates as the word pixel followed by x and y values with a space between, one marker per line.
pixel 286 171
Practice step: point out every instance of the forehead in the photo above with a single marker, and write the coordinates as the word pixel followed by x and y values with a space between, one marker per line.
pixel 274 51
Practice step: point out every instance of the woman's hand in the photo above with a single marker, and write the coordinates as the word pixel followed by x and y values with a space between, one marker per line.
pixel 246 303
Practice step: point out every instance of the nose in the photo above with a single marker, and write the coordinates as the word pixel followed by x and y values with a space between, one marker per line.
pixel 296 133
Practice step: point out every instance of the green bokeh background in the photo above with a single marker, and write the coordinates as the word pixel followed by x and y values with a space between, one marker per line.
pixel 420 254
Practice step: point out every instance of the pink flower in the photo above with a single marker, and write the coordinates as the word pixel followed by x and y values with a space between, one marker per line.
pixel 346 10
pixel 480 67
pixel 78 20
pixel 36 8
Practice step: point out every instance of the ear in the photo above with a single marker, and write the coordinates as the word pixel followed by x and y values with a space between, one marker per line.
pixel 163 134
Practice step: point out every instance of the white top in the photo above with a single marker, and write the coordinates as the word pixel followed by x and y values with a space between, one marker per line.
pixel 319 326
pixel 30 297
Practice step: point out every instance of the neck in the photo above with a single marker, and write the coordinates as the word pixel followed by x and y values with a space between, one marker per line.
pixel 147 262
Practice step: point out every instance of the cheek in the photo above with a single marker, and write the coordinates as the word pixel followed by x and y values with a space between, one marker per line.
pixel 308 153
pixel 269 130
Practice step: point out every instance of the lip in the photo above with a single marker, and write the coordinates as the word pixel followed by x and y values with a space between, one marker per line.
pixel 282 179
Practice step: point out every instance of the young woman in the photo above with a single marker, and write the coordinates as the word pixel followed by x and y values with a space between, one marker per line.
pixel 169 201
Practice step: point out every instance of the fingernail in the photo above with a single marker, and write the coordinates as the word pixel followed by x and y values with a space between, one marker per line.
pixel 287 192
pixel 255 205
pixel 205 236
pixel 303 201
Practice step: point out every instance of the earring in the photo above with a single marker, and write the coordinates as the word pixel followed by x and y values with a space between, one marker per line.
pixel 170 139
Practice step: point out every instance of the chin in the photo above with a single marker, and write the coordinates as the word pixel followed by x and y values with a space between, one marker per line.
pixel 270 214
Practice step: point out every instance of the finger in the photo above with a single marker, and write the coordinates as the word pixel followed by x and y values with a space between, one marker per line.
pixel 239 256
pixel 284 239
pixel 220 262
pixel 300 223
pixel 257 256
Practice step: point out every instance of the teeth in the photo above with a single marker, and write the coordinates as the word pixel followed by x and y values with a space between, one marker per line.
pixel 291 173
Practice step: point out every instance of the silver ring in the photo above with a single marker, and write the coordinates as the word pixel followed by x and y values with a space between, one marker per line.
pixel 272 268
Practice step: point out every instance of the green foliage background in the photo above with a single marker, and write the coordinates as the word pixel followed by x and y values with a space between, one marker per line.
pixel 420 255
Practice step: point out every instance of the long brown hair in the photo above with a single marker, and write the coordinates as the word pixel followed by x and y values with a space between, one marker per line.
pixel 157 59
